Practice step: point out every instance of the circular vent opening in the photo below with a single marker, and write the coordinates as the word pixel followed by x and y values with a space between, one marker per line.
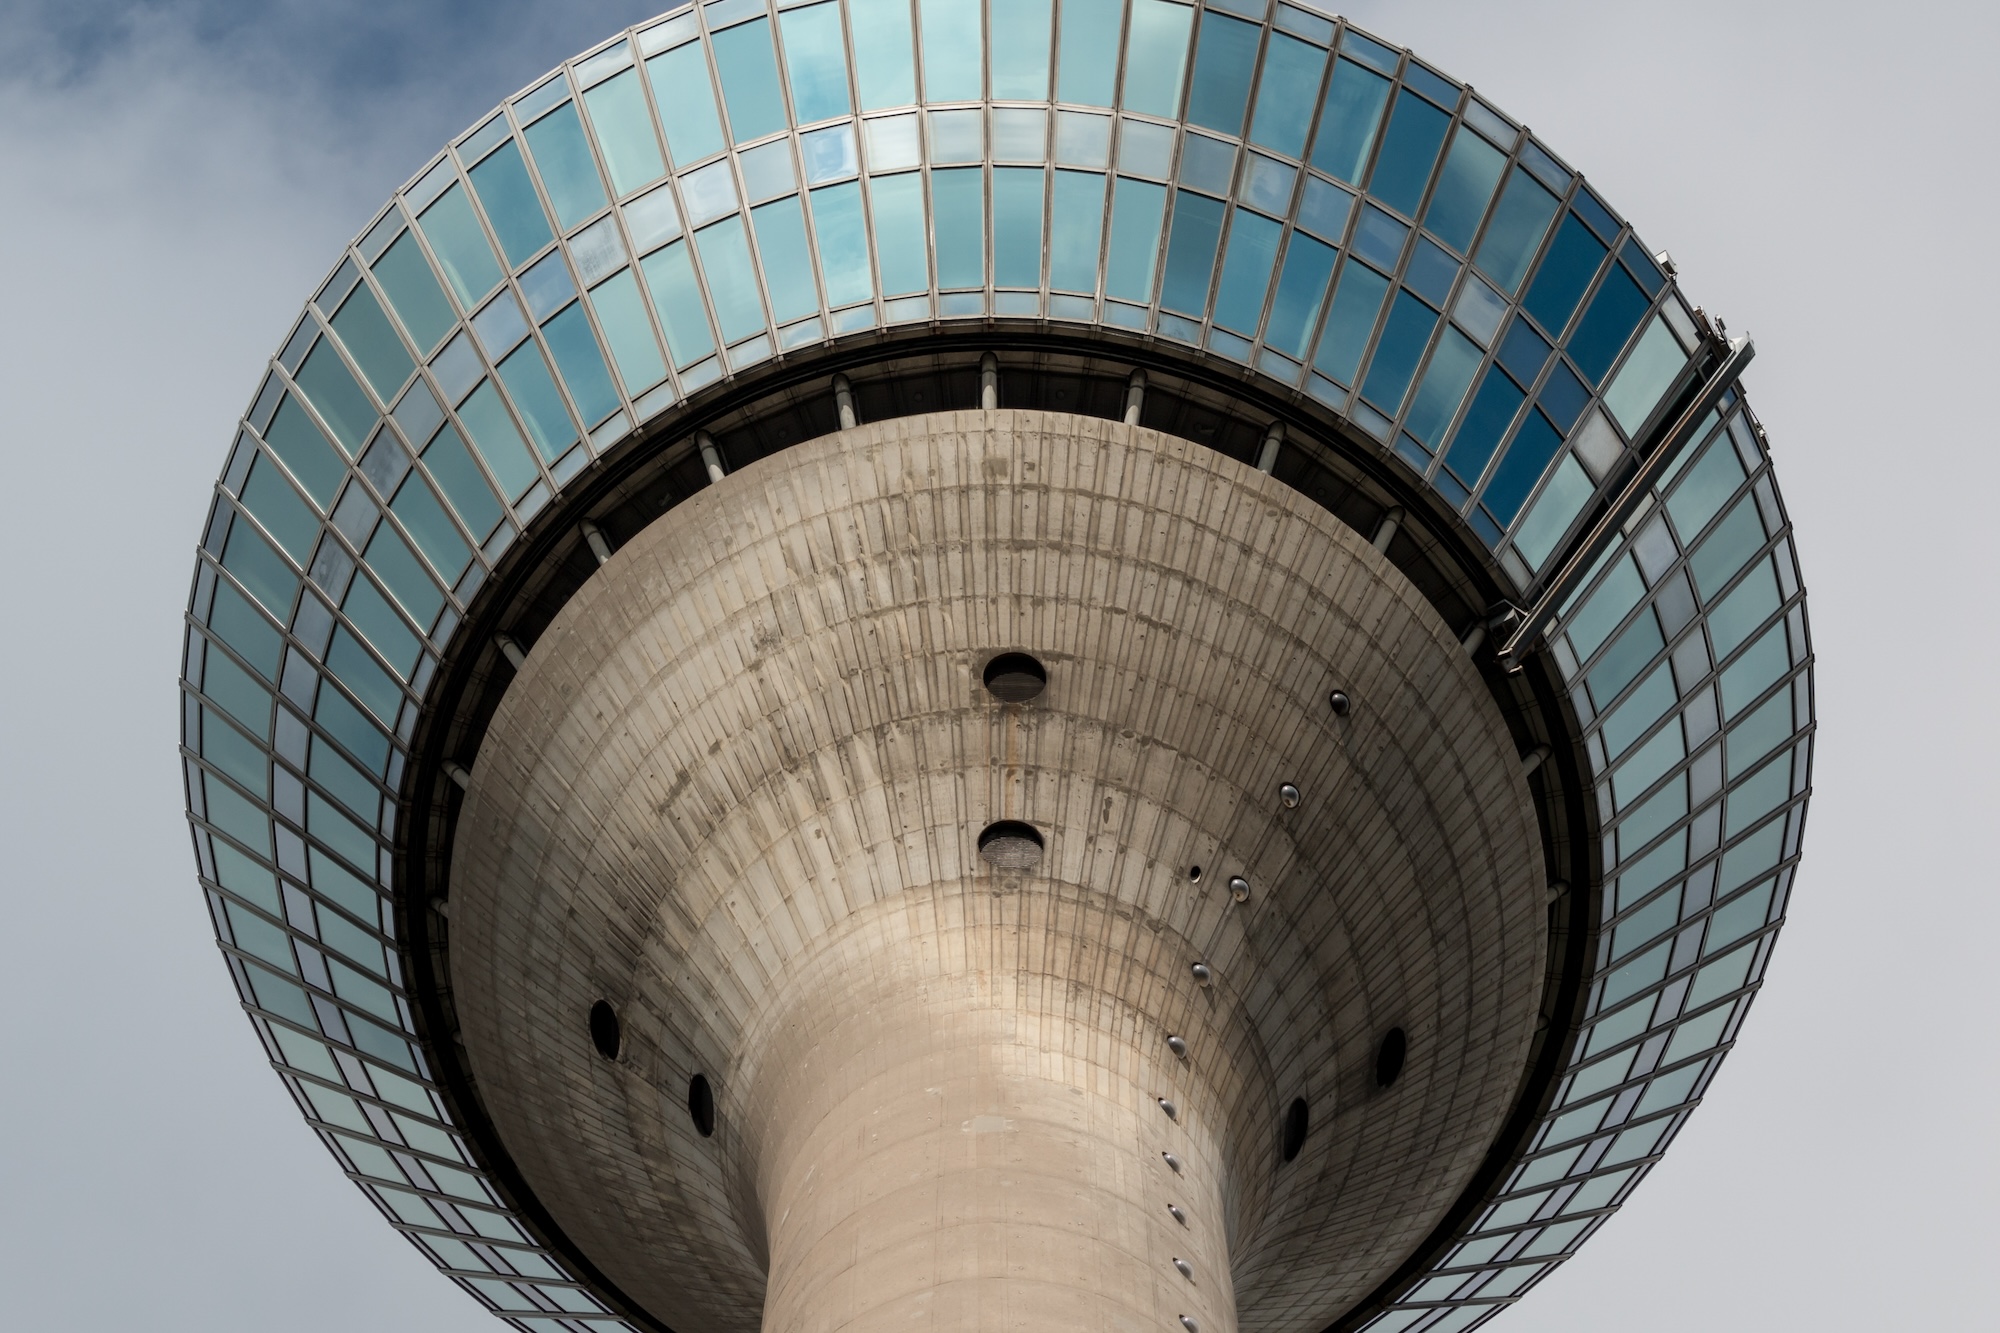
pixel 1015 678
pixel 701 1106
pixel 1389 1057
pixel 1011 845
pixel 604 1030
pixel 1297 1121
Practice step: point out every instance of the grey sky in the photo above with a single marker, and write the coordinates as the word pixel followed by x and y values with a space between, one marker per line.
pixel 178 176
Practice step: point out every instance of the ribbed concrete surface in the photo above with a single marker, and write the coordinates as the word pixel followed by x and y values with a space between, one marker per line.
pixel 736 792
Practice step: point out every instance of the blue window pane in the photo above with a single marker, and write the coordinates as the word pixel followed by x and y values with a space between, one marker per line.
pixel 952 50
pixel 1520 220
pixel 816 59
pixel 1492 409
pixel 1527 458
pixel 732 279
pixel 1076 226
pixel 536 398
pixel 1246 272
pixel 1020 37
pixel 1444 385
pixel 499 443
pixel 958 200
pixel 1137 208
pixel 260 569
pixel 1225 57
pixel 232 619
pixel 460 247
pixel 1607 325
pixel 417 505
pixel 376 618
pixel 749 70
pixel 1348 121
pixel 1287 94
pixel 563 157
pixel 414 292
pixel 1404 338
pixel 1324 208
pixel 1017 226
pixel 1378 238
pixel 273 502
pixel 1633 256
pixel 1089 29
pixel 1471 169
pixel 1431 272
pixel 1565 272
pixel 1523 352
pixel 341 403
pixel 781 244
pixel 1155 56
pixel 625 132
pixel 1409 150
pixel 686 100
pixel 1356 303
pixel 669 275
pixel 883 64
pixel 623 317
pixel 511 205
pixel 464 486
pixel 405 576
pixel 1564 397
pixel 843 243
pixel 1301 289
pixel 1191 252
pixel 371 340
pixel 581 364
pixel 901 246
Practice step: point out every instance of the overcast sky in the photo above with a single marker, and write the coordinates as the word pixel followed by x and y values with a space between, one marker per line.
pixel 176 177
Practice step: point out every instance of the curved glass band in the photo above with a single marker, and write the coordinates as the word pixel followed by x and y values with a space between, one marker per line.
pixel 736 181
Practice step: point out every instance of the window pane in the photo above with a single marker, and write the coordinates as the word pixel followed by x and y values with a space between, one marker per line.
pixel 1356 303
pixel 417 505
pixel 498 441
pixel 536 398
pixel 1404 338
pixel 669 274
pixel 1607 325
pixel 1492 409
pixel 1076 228
pixel 1020 52
pixel 414 292
pixel 953 54
pixel 392 561
pixel 816 59
pixel 260 569
pixel 843 243
pixel 1017 226
pixel 1301 290
pixel 1225 57
pixel 781 243
pixel 581 365
pixel 1348 120
pixel 621 312
pixel 460 246
pixel 901 246
pixel 1191 252
pixel 295 439
pixel 883 65
pixel 1646 376
pixel 341 403
pixel 1136 212
pixel 1409 150
pixel 1246 272
pixel 625 132
pixel 273 502
pixel 1471 169
pixel 1527 458
pixel 1444 386
pixel 686 100
pixel 1287 94
pixel 1567 270
pixel 1089 30
pixel 958 198
pixel 1567 493
pixel 1155 56
pixel 372 342
pixel 463 484
pixel 511 205
pixel 749 70
pixel 1519 222
pixel 568 173
pixel 732 279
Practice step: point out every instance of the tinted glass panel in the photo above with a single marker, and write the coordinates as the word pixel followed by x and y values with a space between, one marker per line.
pixel 1301 290
pixel 1136 212
pixel 1246 272
pixel 1356 303
pixel 1520 220
pixel 1565 272
pixel 1089 29
pixel 1348 121
pixel 1225 58
pixel 1076 226
pixel 1409 150
pixel 816 60
pixel 686 99
pixel 1287 94
pixel 1155 56
pixel 1017 226
pixel 749 70
pixel 414 292
pixel 1471 169
pixel 568 171
pixel 883 59
pixel 1020 36
pixel 1191 252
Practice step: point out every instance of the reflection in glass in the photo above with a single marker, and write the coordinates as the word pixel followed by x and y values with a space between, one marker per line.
pixel 1348 120
pixel 884 68
pixel 1465 186
pixel 1017 227
pixel 414 293
pixel 1225 58
pixel 843 243
pixel 1443 387
pixel 1136 212
pixel 533 390
pixel 749 70
pixel 1076 227
pixel 511 205
pixel 953 50
pixel 816 60
pixel 460 246
pixel 1155 57
pixel 624 131
pixel 1089 31
pixel 371 340
pixel 787 260
pixel 1246 271
pixel 1020 51
pixel 1398 351
pixel 1286 95
pixel 1301 290
pixel 686 99
pixel 901 246
pixel 1519 221
pixel 568 172
pixel 1356 303
pixel 829 154
pixel 732 279
pixel 1409 150
pixel 581 364
pixel 1197 230
pixel 958 203
pixel 669 275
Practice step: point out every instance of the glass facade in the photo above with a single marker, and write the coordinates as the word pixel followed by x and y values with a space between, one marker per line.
pixel 739 180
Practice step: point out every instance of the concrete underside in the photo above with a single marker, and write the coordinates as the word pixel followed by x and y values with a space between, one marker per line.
pixel 735 792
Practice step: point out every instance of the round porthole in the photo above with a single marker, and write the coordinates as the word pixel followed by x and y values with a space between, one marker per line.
pixel 1389 1057
pixel 701 1106
pixel 1015 678
pixel 604 1030
pixel 1297 1121
pixel 1011 845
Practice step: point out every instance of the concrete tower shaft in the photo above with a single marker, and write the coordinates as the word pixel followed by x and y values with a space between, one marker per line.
pixel 736 793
